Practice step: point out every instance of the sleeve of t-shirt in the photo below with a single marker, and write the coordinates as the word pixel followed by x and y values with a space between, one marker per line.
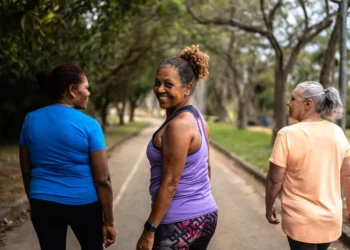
pixel 22 140
pixel 280 151
pixel 96 138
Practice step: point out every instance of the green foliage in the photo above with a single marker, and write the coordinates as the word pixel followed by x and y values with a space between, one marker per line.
pixel 42 34
pixel 120 43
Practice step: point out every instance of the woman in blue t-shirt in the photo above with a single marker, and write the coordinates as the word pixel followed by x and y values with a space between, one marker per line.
pixel 64 165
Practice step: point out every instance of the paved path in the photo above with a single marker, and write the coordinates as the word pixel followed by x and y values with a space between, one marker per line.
pixel 240 200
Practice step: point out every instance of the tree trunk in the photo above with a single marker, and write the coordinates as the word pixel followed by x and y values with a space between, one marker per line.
pixel 104 111
pixel 279 108
pixel 328 57
pixel 121 111
pixel 220 101
pixel 132 110
pixel 242 114
pixel 222 115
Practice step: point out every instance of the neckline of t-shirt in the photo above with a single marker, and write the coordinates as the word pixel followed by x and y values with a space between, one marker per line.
pixel 318 122
pixel 61 105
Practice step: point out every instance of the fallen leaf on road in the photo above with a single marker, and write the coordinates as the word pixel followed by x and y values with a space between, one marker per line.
pixel 8 222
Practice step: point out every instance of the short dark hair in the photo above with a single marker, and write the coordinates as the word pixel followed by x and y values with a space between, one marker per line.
pixel 55 82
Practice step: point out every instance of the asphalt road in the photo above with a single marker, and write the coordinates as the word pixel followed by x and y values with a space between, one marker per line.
pixel 241 225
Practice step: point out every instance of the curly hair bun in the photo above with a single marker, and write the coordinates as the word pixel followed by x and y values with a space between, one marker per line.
pixel 198 60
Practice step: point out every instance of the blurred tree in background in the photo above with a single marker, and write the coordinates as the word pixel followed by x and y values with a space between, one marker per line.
pixel 258 52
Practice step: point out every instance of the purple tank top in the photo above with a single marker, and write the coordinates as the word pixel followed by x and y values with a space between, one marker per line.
pixel 192 198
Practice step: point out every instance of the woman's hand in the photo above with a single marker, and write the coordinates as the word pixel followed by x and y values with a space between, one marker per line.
pixel 271 216
pixel 347 217
pixel 108 235
pixel 146 241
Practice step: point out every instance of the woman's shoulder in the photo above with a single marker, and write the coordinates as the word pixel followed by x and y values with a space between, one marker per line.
pixel 334 125
pixel 89 121
pixel 76 116
pixel 183 121
pixel 37 112
pixel 288 129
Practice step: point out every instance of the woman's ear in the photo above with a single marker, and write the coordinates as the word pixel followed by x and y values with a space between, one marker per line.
pixel 308 104
pixel 71 90
pixel 188 89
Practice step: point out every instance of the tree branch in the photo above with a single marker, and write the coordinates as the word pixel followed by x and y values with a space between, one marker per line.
pixel 266 21
pixel 328 56
pixel 128 60
pixel 269 26
pixel 327 7
pixel 318 27
pixel 301 2
pixel 306 37
pixel 273 11
pixel 232 22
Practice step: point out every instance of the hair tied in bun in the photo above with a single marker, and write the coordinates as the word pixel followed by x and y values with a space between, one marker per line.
pixel 198 60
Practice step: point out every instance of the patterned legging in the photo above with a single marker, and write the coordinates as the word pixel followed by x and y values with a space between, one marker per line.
pixel 193 234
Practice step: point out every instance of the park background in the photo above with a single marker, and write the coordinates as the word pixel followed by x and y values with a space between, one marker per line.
pixel 259 50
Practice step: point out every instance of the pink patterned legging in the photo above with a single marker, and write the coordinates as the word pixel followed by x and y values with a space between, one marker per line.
pixel 193 234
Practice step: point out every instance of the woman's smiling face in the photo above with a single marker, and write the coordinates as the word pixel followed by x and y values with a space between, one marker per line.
pixel 168 88
pixel 81 94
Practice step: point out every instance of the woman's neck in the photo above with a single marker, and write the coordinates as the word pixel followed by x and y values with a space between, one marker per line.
pixel 312 117
pixel 65 102
pixel 171 111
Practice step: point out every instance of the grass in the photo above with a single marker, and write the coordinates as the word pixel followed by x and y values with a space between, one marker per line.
pixel 347 133
pixel 115 133
pixel 11 187
pixel 252 146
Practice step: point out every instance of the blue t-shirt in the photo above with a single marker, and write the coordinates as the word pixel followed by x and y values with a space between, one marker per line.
pixel 59 139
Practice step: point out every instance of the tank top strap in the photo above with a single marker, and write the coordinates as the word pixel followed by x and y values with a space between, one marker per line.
pixel 198 117
pixel 188 108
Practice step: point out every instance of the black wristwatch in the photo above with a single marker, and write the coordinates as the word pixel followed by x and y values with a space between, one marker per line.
pixel 150 227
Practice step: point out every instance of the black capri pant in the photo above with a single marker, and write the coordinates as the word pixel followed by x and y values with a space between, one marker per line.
pixel 297 245
pixel 51 221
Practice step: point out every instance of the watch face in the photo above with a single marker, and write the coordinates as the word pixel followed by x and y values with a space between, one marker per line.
pixel 150 227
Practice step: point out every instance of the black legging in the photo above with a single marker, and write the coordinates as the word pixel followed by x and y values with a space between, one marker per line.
pixel 297 245
pixel 51 220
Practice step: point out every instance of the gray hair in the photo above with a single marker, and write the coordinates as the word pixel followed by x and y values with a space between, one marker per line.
pixel 327 101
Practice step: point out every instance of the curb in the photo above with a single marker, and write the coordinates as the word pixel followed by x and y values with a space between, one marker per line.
pixel 125 138
pixel 261 176
pixel 14 209
pixel 256 172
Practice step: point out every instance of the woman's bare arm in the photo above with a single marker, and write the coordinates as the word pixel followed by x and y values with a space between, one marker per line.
pixel 26 167
pixel 102 180
pixel 273 186
pixel 345 179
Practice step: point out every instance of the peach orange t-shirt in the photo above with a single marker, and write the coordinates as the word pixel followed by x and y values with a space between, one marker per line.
pixel 312 153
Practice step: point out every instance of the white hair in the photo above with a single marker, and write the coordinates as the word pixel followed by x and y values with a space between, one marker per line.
pixel 327 101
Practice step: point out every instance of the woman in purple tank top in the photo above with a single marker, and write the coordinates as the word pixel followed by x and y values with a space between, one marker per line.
pixel 184 212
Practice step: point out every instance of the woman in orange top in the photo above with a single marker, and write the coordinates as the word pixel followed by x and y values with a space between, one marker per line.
pixel 309 161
